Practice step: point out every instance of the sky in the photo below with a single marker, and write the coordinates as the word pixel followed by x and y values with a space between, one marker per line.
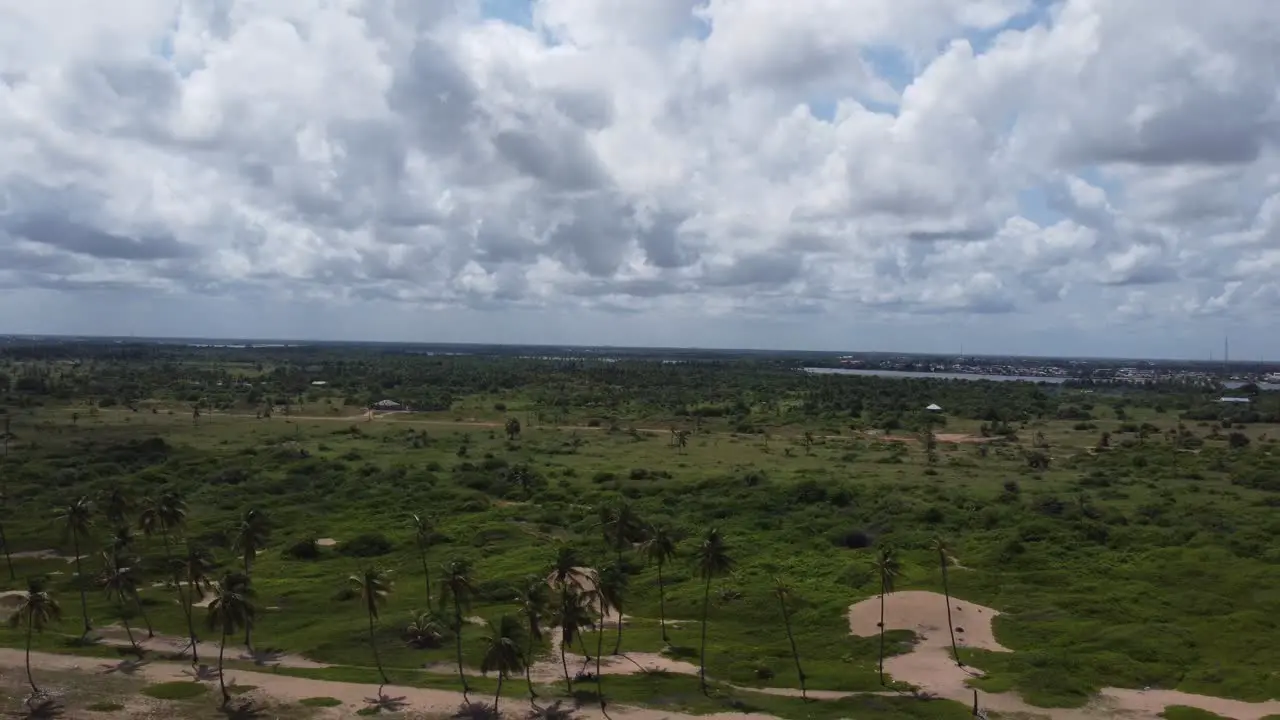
pixel 1047 177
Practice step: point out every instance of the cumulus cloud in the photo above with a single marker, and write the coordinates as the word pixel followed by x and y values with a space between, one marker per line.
pixel 832 173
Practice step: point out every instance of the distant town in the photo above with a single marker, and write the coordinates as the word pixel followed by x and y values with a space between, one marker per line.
pixel 1067 369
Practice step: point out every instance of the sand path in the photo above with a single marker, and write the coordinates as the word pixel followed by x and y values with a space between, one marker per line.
pixel 354 696
pixel 930 667
pixel 115 636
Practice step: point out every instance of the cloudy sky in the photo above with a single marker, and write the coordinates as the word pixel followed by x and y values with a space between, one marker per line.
pixel 1075 176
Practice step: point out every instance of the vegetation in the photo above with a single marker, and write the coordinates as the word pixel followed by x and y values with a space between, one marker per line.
pixel 1126 534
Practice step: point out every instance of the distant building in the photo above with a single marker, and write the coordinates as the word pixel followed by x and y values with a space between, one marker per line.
pixel 933 407
pixel 318 383
pixel 388 405
pixel 1233 400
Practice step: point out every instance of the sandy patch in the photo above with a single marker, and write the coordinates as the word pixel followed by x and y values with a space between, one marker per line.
pixel 354 696
pixel 929 665
pixel 326 542
pixel 11 599
pixel 45 555
pixel 175 644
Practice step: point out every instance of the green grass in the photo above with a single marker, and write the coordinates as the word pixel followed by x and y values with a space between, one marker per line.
pixel 1137 566
pixel 320 702
pixel 1182 712
pixel 177 690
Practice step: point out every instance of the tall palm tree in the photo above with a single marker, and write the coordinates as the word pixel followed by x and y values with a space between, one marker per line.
pixel 36 609
pixel 231 609
pixel 887 567
pixel 115 557
pixel 785 595
pixel 620 525
pixel 165 515
pixel 77 519
pixel 572 613
pixel 940 547
pixel 567 568
pixel 457 587
pixel 660 547
pixel 712 559
pixel 374 585
pixel 502 652
pixel 533 605
pixel 423 533
pixel 194 568
pixel 121 584
pixel 252 535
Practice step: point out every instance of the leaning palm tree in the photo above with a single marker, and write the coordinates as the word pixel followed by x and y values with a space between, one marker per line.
pixel 252 535
pixel 887 567
pixel 660 547
pixel 533 606
pixel 423 533
pixel 611 591
pixel 502 653
pixel 231 609
pixel 115 556
pixel 120 582
pixel 36 609
pixel 712 560
pixel 374 585
pixel 785 595
pixel 940 547
pixel 457 587
pixel 165 515
pixel 572 613
pixel 194 569
pixel 77 519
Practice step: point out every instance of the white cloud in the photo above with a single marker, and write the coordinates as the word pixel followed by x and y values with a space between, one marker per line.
pixel 1077 176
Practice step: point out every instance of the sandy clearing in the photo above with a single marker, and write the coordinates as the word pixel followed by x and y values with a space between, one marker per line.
pixel 354 696
pixel 45 555
pixel 115 635
pixel 326 542
pixel 929 665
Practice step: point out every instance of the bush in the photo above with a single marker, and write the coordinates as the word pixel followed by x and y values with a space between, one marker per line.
pixel 320 702
pixel 366 545
pixel 305 549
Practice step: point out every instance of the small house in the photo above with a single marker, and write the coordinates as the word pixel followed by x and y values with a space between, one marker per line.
pixel 1233 400
pixel 933 407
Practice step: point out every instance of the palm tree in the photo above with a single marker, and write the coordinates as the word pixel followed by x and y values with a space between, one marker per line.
pixel 660 547
pixel 121 542
pixel 116 506
pixel 712 559
pixel 231 609
pixel 533 605
pixel 194 568
pixel 567 568
pixel 571 615
pixel 374 585
pixel 4 542
pixel 457 586
pixel 502 652
pixel 121 584
pixel 621 526
pixel 611 590
pixel 887 567
pixel 77 519
pixel 165 515
pixel 423 533
pixel 784 595
pixel 36 609
pixel 940 547
pixel 252 535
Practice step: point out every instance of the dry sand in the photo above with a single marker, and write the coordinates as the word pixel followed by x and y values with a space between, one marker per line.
pixel 115 635
pixel 326 542
pixel 354 696
pixel 930 667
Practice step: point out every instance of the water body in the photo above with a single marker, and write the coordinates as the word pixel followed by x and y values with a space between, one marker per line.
pixel 935 375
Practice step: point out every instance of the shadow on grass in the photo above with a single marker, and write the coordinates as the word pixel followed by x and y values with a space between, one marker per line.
pixel 384 703
pixel 204 673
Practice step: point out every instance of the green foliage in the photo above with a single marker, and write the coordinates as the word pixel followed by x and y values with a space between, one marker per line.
pixel 1182 712
pixel 320 702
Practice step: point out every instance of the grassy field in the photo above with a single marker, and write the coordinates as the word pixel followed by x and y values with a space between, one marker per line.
pixel 1141 564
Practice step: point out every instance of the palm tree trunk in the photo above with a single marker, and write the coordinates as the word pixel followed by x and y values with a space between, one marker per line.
pixel 565 664
pixel 137 600
pixel 128 630
pixel 599 652
pixel 7 557
pixel 617 645
pixel 30 680
pixel 457 637
pixel 84 604
pixel 498 695
pixel 222 681
pixel 373 645
pixel 182 600
pixel 528 667
pixel 422 553
pixel 946 592
pixel 786 620
pixel 882 631
pixel 248 627
pixel 702 655
pixel 662 604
